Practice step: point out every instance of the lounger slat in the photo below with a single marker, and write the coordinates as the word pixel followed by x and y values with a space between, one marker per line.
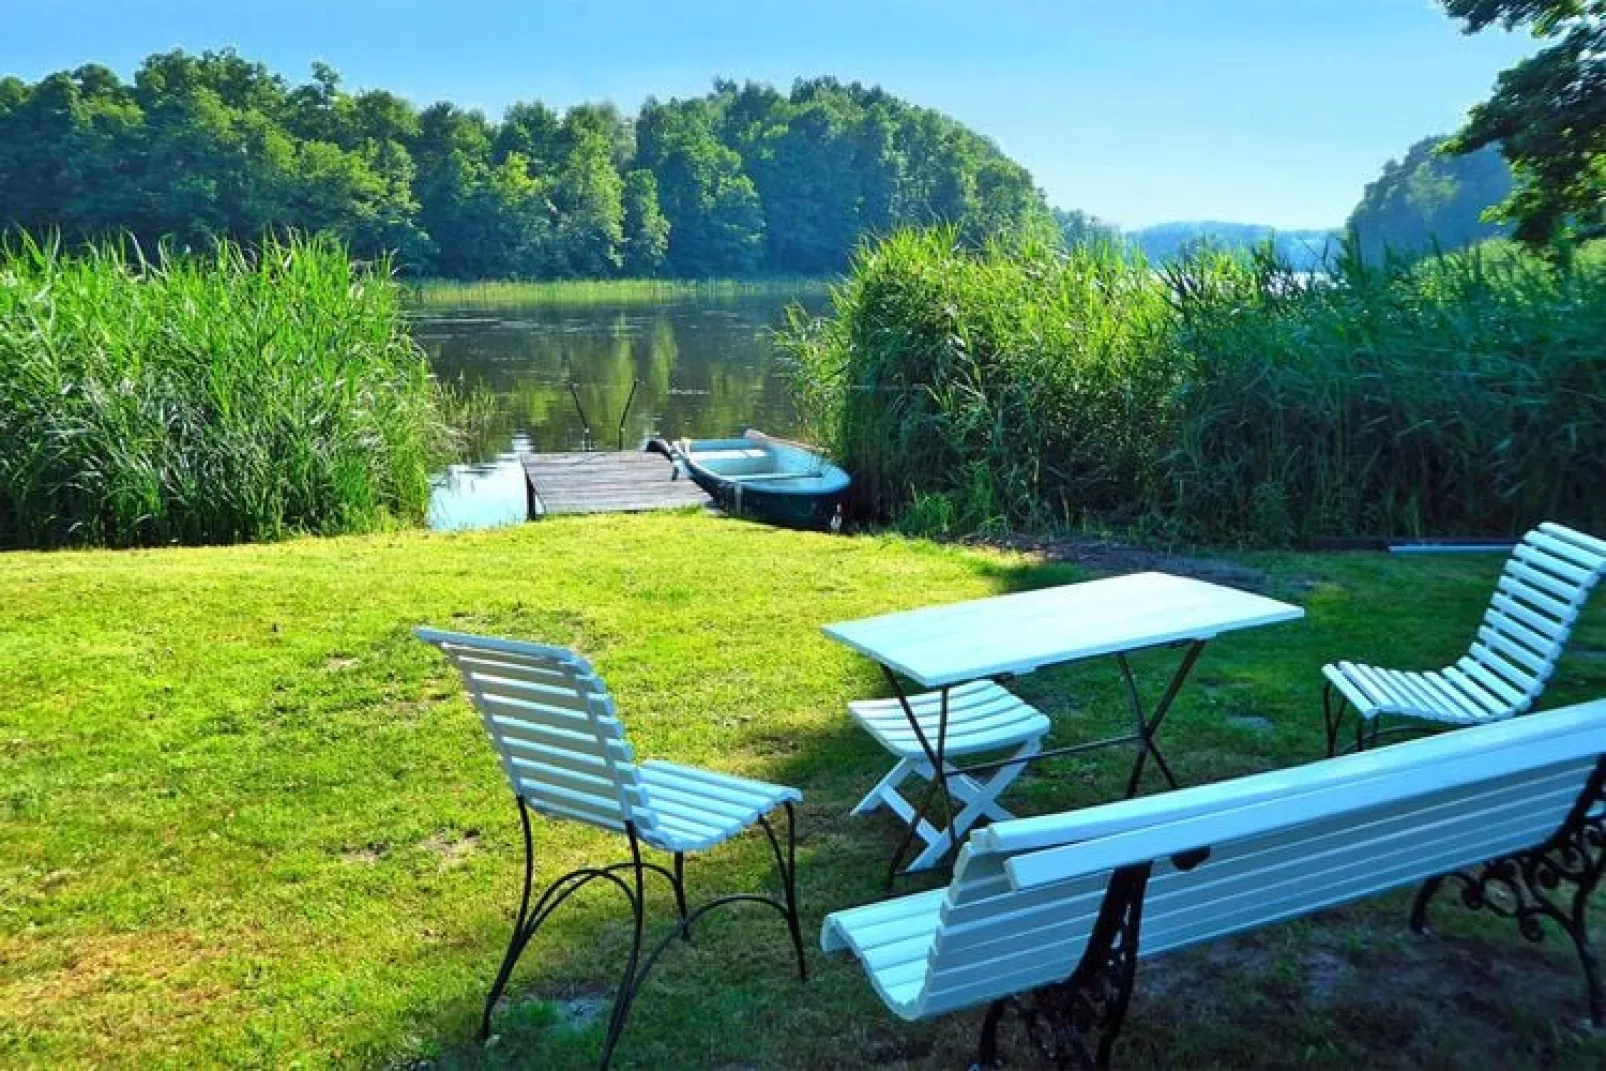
pixel 1513 651
pixel 1514 586
pixel 1495 685
pixel 1568 550
pixel 1553 564
pixel 1543 581
pixel 1552 629
pixel 1476 690
pixel 1582 539
pixel 1543 647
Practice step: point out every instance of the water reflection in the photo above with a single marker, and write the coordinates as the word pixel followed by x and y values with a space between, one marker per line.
pixel 485 494
pixel 698 368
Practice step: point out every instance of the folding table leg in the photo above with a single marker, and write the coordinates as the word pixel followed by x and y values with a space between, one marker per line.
pixel 912 817
pixel 936 761
pixel 1147 726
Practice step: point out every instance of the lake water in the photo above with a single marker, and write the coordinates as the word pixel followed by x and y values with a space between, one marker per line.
pixel 702 368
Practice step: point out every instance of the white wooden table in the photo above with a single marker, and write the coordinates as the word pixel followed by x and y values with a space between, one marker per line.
pixel 1011 635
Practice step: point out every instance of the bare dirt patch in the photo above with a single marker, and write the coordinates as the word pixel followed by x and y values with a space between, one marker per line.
pixel 1369 983
pixel 1109 556
pixel 453 847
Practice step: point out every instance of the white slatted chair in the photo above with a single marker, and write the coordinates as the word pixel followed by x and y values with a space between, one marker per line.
pixel 983 717
pixel 1070 901
pixel 564 752
pixel 1544 586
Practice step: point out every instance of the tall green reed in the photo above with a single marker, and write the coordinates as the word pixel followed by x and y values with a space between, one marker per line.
pixel 244 394
pixel 1220 398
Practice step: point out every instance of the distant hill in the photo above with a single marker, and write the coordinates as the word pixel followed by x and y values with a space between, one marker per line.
pixel 1429 200
pixel 1304 249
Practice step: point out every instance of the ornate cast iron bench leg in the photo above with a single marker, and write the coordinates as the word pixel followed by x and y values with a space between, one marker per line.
pixel 1529 887
pixel 1076 1023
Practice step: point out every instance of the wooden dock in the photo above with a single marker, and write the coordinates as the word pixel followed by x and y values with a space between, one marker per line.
pixel 604 482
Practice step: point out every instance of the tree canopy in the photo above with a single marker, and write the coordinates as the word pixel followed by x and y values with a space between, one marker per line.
pixel 1430 199
pixel 1081 228
pixel 742 180
pixel 1547 114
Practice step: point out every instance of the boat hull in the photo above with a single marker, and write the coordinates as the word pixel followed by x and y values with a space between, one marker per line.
pixel 787 486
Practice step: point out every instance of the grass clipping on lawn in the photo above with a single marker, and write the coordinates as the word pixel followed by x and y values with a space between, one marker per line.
pixel 248 819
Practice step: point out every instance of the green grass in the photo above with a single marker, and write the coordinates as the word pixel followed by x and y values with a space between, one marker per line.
pixel 247 819
pixel 235 396
pixel 454 294
pixel 1217 398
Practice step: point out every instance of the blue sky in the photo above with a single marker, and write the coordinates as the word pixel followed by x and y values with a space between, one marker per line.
pixel 1268 111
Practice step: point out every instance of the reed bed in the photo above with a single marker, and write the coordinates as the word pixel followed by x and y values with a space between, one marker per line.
pixel 452 294
pixel 1221 398
pixel 240 395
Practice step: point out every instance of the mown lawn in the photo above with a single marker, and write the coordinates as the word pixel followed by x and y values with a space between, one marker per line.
pixel 246 819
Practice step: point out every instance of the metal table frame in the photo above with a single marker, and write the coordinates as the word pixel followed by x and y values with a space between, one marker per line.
pixel 1145 726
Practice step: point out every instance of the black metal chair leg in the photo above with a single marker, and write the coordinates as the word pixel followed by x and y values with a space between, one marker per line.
pixel 626 995
pixel 519 937
pixel 1332 717
pixel 531 916
pixel 792 919
pixel 679 882
pixel 787 867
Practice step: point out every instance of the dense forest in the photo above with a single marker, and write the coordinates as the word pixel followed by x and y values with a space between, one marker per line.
pixel 744 180
pixel 1431 199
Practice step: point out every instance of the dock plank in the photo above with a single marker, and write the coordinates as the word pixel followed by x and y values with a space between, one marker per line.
pixel 604 482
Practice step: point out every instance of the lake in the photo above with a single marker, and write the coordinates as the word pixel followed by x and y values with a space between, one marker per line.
pixel 698 367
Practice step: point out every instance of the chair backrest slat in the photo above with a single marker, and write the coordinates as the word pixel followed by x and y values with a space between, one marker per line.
pixel 1546 582
pixel 1494 637
pixel 1550 626
pixel 553 725
pixel 1531 551
pixel 1581 549
pixel 1556 608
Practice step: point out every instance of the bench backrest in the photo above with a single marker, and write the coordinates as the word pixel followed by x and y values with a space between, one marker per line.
pixel 1026 893
pixel 553 725
pixel 1545 584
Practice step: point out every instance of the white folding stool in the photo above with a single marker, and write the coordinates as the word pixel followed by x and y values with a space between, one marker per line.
pixel 982 717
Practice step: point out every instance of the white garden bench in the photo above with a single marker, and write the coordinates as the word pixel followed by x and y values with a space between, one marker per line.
pixel 1542 590
pixel 1049 915
pixel 564 752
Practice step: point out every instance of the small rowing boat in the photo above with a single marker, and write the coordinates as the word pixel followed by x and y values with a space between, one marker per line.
pixel 764 478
